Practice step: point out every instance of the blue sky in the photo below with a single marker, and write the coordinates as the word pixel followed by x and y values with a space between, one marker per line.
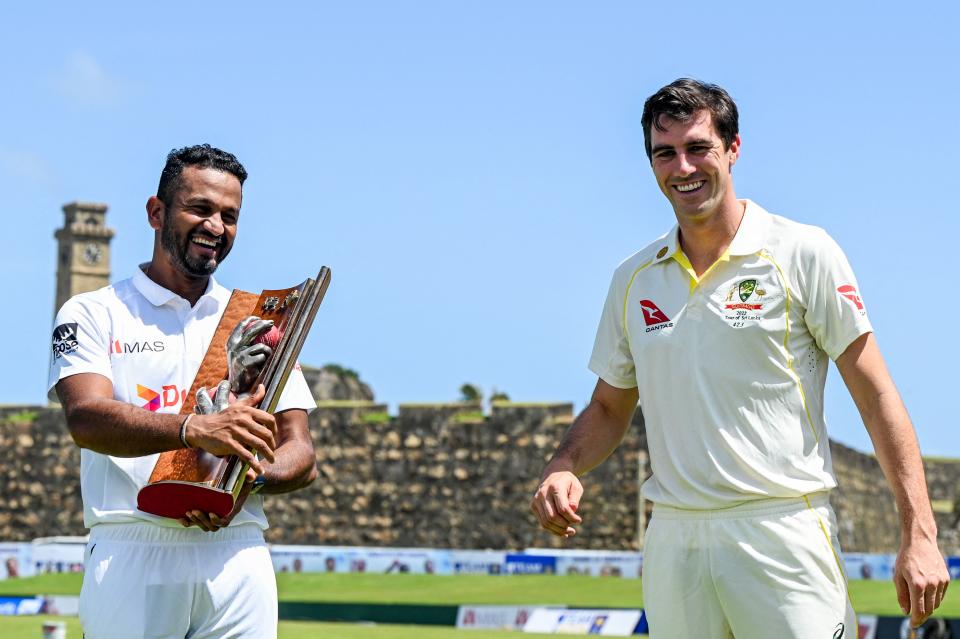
pixel 473 172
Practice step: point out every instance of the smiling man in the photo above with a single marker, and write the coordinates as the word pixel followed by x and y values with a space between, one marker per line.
pixel 722 330
pixel 135 350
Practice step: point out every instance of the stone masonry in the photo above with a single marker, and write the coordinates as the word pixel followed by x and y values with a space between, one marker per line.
pixel 439 476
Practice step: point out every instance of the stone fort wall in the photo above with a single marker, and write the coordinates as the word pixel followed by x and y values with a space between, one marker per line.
pixel 439 476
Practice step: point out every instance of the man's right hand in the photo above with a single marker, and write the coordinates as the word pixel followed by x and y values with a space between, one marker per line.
pixel 236 430
pixel 556 501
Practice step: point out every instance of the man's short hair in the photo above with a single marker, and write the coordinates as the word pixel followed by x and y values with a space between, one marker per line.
pixel 202 156
pixel 681 100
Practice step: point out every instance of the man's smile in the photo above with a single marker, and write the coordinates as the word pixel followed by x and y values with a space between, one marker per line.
pixel 205 241
pixel 208 247
pixel 690 186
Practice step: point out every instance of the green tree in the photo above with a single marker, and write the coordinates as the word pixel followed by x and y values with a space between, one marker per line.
pixel 342 371
pixel 470 393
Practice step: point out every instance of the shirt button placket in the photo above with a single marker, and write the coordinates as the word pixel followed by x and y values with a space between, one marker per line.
pixel 694 310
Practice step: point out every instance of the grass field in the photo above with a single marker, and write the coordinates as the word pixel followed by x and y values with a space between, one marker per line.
pixel 30 627
pixel 869 597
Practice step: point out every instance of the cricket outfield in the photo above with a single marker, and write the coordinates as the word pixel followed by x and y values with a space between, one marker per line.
pixel 869 597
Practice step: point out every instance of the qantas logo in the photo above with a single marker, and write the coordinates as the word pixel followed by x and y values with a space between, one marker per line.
pixel 653 317
pixel 169 395
pixel 126 348
pixel 652 313
pixel 850 292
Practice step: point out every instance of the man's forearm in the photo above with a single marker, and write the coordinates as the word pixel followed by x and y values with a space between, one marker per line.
pixel 295 468
pixel 115 428
pixel 596 433
pixel 295 464
pixel 894 439
pixel 897 451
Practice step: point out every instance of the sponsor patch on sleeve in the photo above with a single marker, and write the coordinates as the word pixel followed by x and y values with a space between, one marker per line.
pixel 849 292
pixel 65 340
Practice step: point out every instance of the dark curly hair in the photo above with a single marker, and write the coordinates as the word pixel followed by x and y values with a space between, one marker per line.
pixel 683 98
pixel 203 156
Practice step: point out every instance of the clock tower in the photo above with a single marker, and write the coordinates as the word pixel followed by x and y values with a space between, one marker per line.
pixel 83 250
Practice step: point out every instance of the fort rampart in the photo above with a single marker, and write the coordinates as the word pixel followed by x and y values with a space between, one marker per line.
pixel 436 475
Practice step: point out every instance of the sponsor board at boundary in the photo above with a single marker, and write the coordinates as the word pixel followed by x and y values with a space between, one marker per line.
pixel 496 617
pixel 609 623
pixel 65 554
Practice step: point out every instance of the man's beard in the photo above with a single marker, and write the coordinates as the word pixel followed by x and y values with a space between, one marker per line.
pixel 176 246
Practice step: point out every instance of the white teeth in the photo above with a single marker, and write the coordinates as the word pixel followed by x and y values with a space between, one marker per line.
pixel 684 188
pixel 205 242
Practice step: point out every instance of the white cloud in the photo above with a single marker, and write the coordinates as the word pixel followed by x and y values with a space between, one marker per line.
pixel 85 82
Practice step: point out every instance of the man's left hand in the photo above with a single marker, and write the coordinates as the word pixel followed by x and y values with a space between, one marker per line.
pixel 207 405
pixel 921 579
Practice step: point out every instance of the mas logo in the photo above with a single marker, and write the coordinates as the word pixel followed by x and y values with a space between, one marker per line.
pixel 169 395
pixel 65 339
pixel 850 292
pixel 126 348
pixel 653 317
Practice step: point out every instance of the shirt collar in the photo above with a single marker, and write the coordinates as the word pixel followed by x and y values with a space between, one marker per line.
pixel 158 295
pixel 749 239
pixel 752 234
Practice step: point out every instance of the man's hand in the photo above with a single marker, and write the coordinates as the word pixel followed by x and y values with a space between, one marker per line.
pixel 594 435
pixel 245 358
pixel 236 429
pixel 217 405
pixel 921 579
pixel 556 501
pixel 211 522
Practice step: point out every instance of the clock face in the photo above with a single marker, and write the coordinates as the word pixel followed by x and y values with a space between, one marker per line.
pixel 92 253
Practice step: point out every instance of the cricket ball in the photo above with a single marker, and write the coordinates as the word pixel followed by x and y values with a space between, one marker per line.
pixel 271 338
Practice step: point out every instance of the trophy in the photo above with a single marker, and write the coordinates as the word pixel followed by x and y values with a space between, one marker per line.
pixel 193 479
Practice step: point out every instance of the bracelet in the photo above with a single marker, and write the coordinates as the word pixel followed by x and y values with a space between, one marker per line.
pixel 258 484
pixel 183 431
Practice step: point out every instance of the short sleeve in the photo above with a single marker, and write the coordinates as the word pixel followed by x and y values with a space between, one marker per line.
pixel 296 393
pixel 611 359
pixel 835 313
pixel 80 342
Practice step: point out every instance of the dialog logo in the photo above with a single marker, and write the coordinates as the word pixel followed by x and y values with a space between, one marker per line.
pixel 850 292
pixel 65 339
pixel 653 317
pixel 169 395
pixel 152 397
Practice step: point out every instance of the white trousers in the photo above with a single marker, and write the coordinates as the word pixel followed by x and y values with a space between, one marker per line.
pixel 760 570
pixel 144 581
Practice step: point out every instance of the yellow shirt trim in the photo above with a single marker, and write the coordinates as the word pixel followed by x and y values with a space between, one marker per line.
pixel 684 262
pixel 626 297
pixel 786 338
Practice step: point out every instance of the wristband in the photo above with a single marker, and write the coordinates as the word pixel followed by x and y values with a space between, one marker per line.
pixel 183 431
pixel 258 484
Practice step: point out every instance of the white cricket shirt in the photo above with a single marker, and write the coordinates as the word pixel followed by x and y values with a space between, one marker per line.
pixel 149 343
pixel 730 369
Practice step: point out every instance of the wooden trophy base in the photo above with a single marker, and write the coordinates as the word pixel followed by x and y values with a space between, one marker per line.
pixel 171 498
